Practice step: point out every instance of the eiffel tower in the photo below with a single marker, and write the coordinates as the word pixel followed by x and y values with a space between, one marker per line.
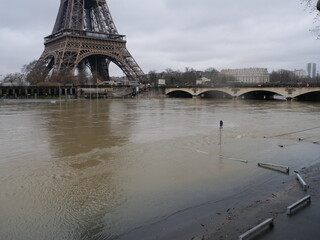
pixel 84 35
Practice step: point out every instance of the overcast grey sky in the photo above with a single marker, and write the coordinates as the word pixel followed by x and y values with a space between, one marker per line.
pixel 176 34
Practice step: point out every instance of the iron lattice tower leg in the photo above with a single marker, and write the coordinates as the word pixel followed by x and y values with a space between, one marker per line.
pixel 84 31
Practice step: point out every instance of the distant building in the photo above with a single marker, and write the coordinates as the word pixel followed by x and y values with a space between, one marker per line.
pixel 248 75
pixel 112 83
pixel 9 84
pixel 161 82
pixel 203 80
pixel 300 73
pixel 312 69
pixel 119 79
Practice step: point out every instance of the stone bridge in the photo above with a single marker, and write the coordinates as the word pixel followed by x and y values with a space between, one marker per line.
pixel 312 93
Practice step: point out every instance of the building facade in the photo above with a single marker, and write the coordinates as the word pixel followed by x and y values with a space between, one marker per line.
pixel 312 69
pixel 300 73
pixel 203 80
pixel 248 75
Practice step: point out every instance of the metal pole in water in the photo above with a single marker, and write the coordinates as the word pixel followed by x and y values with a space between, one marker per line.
pixel 60 92
pixel 97 91
pixel 90 89
pixel 221 127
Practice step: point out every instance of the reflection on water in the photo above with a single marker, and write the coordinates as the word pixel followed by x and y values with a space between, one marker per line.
pixel 99 169
pixel 80 127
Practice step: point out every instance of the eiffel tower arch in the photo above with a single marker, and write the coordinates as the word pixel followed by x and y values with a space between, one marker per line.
pixel 84 35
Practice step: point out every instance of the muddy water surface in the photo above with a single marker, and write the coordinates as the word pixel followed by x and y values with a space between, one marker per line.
pixel 100 169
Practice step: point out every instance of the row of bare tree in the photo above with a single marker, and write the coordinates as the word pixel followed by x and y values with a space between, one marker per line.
pixel 34 73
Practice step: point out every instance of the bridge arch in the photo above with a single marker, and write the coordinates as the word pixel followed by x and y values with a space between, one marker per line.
pixel 219 94
pixel 309 96
pixel 177 93
pixel 260 94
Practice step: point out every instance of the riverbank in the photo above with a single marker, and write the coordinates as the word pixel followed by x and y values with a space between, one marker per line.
pixel 228 218
pixel 301 225
pixel 75 92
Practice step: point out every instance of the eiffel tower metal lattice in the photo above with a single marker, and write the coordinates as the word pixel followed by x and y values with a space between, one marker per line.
pixel 84 35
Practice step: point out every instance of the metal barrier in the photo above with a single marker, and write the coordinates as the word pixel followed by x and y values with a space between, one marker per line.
pixel 299 203
pixel 302 182
pixel 276 167
pixel 268 223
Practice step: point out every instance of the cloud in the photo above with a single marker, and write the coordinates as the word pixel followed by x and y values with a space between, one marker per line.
pixel 176 34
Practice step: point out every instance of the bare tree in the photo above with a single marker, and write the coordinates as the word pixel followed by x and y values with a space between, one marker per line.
pixel 34 72
pixel 17 79
pixel 314 6
pixel 311 4
pixel 61 80
pixel 283 76
pixel 82 79
pixel 153 77
pixel 27 68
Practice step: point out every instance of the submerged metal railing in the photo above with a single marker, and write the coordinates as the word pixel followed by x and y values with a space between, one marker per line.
pixel 302 182
pixel 275 167
pixel 298 204
pixel 257 229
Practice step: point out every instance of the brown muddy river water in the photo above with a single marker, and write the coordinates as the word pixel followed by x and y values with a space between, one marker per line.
pixel 101 169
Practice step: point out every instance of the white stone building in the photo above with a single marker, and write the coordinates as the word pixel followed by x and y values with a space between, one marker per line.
pixel 300 73
pixel 203 80
pixel 161 82
pixel 248 75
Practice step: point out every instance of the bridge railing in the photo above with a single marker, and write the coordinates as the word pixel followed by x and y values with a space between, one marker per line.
pixel 246 85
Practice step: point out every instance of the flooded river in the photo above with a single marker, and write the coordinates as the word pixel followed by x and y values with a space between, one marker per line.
pixel 102 169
